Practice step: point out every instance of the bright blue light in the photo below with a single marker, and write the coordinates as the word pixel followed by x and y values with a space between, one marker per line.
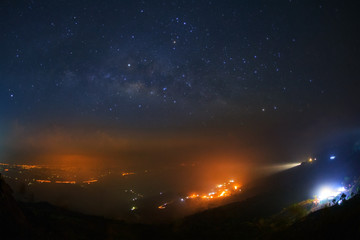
pixel 329 192
pixel 332 157
pixel 326 193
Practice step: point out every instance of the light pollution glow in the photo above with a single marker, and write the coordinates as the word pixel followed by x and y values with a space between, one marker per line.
pixel 176 162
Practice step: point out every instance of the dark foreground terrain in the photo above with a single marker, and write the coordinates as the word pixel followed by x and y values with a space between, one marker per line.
pixel 259 217
pixel 336 222
pixel 278 207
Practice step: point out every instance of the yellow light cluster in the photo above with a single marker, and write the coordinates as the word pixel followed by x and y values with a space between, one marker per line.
pixel 127 173
pixel 221 190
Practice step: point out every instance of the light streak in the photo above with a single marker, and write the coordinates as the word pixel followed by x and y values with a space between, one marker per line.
pixel 66 182
pixel 90 181
pixel 127 173
pixel 43 181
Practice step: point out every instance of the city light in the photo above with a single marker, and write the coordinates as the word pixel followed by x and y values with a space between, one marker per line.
pixel 329 193
pixel 43 181
pixel 221 190
pixel 127 173
pixel 90 181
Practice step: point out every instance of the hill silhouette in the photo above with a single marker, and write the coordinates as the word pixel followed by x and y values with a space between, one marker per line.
pixel 336 222
pixel 270 196
pixel 276 207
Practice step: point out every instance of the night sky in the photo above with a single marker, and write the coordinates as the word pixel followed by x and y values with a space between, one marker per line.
pixel 229 68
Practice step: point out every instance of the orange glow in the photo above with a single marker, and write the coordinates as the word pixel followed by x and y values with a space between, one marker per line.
pixel 90 181
pixel 163 206
pixel 43 181
pixel 66 182
pixel 28 166
pixel 221 190
pixel 316 201
pixel 193 196
pixel 6 170
pixel 127 173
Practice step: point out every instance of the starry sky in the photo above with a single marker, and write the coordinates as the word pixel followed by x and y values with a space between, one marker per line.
pixel 263 68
